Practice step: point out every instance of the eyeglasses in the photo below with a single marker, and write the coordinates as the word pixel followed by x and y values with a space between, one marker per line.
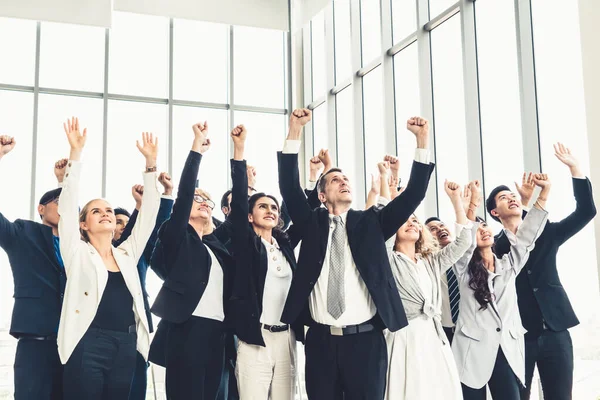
pixel 199 199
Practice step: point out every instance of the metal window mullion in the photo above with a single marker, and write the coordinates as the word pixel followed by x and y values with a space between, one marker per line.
pixel 36 101
pixel 471 88
pixel 307 92
pixel 330 81
pixel 426 90
pixel 359 118
pixel 532 160
pixel 231 113
pixel 105 112
pixel 170 146
pixel 387 63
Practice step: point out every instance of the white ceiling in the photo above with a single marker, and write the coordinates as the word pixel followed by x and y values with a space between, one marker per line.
pixel 272 14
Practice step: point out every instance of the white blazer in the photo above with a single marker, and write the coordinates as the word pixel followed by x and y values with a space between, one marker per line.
pixel 86 273
pixel 479 333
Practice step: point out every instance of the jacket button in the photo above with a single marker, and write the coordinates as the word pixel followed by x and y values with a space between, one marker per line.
pixel 535 289
pixel 528 272
pixel 311 283
pixel 497 329
pixel 67 175
pixel 321 261
pixel 69 164
pixel 62 295
pixel 76 311
pixel 86 293
pixel 203 283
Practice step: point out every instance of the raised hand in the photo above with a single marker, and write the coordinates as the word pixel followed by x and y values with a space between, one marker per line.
pixel 453 190
pixel 137 191
pixel 466 196
pixel 148 148
pixel 394 164
pixel 315 165
pixel 475 188
pixel 526 188
pixel 325 158
pixel 7 143
pixel 418 126
pixel 166 182
pixel 563 153
pixel 75 137
pixel 201 141
pixel 251 172
pixel 298 118
pixel 59 169
pixel 375 184
pixel 384 168
pixel 542 181
pixel 238 135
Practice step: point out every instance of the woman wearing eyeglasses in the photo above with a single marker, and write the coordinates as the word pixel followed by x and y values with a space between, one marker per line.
pixel 197 270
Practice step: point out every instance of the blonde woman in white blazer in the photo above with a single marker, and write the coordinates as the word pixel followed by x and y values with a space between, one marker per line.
pixel 488 343
pixel 103 319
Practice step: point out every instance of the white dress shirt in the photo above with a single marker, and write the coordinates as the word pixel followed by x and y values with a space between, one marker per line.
pixel 211 303
pixel 359 304
pixel 277 284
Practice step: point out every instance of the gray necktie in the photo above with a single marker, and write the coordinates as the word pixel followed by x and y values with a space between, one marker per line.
pixel 336 304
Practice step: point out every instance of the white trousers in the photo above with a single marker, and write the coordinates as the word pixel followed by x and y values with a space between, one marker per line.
pixel 268 372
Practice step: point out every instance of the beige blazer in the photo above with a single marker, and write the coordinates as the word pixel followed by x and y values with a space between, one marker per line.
pixel 479 333
pixel 86 273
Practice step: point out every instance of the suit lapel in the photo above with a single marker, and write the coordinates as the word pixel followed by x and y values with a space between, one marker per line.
pixel 49 244
pixel 324 229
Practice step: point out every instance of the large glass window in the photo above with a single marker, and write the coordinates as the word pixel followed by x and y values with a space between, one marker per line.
pixel 126 122
pixel 346 142
pixel 343 48
pixel 139 55
pixel 200 67
pixel 370 27
pixel 449 108
pixel 259 83
pixel 17 46
pixel 437 6
pixel 320 130
pixel 319 66
pixel 63 68
pixel 404 18
pixel 52 144
pixel 374 126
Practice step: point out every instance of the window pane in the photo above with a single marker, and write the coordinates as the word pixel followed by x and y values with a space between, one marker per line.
pixel 408 104
pixel 17 46
pixel 319 68
pixel 58 70
pixel 266 134
pixel 259 75
pixel 347 148
pixel 500 105
pixel 52 143
pixel 320 132
pixel 370 25
pixel 374 130
pixel 126 122
pixel 139 55
pixel 449 108
pixel 213 168
pixel 437 6
pixel 404 14
pixel 343 52
pixel 200 78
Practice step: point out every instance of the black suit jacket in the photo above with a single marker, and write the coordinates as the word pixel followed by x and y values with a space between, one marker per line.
pixel 541 296
pixel 367 232
pixel 39 280
pixel 251 261
pixel 181 257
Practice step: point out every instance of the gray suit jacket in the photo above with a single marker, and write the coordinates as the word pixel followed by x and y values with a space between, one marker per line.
pixel 480 332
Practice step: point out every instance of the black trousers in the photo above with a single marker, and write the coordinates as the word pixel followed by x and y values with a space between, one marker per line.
pixel 101 367
pixel 228 387
pixel 140 379
pixel 553 353
pixel 503 384
pixel 345 367
pixel 38 370
pixel 195 357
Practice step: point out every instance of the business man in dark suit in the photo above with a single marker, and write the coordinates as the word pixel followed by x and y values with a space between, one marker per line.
pixel 544 305
pixel 344 288
pixel 39 280
pixel 140 379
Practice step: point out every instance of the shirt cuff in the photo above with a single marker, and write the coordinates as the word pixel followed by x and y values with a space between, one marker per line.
pixel 310 185
pixel 579 177
pixel 422 156
pixel 382 201
pixel 291 147
pixel 167 197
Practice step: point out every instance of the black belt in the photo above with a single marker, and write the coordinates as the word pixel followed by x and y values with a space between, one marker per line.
pixel 33 337
pixel 276 328
pixel 350 329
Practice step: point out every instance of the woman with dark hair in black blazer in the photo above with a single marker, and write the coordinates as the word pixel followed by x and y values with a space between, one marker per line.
pixel 265 261
pixel 197 269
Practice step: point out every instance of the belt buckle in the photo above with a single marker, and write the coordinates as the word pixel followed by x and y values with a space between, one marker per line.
pixel 271 328
pixel 335 331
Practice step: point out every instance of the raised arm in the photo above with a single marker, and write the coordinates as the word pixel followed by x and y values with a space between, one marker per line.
pixel 176 226
pixel 450 254
pixel 164 212
pixel 7 228
pixel 585 209
pixel 68 204
pixel 401 208
pixel 146 219
pixel 289 176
